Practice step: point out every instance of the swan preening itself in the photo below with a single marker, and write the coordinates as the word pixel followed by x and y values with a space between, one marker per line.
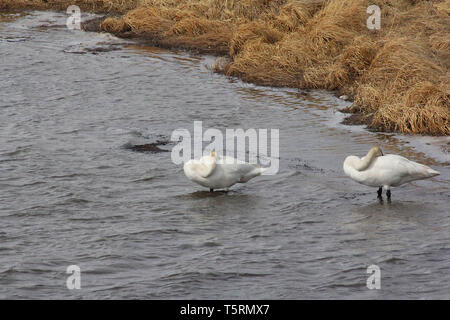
pixel 378 170
pixel 216 172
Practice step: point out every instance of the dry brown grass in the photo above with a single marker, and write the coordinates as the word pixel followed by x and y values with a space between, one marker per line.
pixel 398 76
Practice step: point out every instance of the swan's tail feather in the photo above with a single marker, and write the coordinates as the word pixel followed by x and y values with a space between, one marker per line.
pixel 259 170
pixel 433 173
pixel 254 173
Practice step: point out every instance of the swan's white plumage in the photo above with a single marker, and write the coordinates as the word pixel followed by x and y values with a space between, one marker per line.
pixel 216 172
pixel 388 171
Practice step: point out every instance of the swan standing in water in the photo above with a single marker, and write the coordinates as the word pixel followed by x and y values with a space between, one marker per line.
pixel 217 172
pixel 378 170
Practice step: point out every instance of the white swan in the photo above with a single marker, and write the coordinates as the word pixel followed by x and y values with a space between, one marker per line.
pixel 378 170
pixel 217 172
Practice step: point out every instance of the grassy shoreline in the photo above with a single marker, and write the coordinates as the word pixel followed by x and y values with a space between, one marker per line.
pixel 398 76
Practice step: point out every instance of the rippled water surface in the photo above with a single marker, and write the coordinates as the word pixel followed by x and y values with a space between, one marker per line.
pixel 73 189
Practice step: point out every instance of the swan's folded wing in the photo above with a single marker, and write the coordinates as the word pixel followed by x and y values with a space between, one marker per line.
pixel 203 168
pixel 417 170
pixel 208 168
pixel 245 168
pixel 248 171
pixel 401 167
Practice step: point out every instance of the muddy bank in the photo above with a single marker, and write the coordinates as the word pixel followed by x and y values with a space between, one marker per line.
pixel 220 47
pixel 397 76
pixel 96 6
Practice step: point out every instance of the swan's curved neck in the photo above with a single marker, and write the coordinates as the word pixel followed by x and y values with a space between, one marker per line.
pixel 365 162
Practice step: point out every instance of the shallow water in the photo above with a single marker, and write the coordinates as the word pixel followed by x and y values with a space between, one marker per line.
pixel 72 190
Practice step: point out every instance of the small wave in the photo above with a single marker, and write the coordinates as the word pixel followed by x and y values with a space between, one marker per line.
pixel 147 179
pixel 16 39
pixel 17 151
pixel 72 175
pixel 92 50
pixel 187 277
pixel 394 260
pixel 73 201
pixel 305 166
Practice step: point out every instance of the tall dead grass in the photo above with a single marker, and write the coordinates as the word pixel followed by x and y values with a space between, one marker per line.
pixel 398 76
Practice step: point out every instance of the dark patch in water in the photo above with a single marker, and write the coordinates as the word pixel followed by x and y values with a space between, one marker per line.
pixel 147 147
pixel 304 165
pixel 16 39
pixel 49 26
pixel 94 50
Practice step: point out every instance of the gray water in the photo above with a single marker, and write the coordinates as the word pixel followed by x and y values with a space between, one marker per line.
pixel 74 192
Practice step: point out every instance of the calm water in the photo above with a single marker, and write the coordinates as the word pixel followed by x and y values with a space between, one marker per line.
pixel 73 192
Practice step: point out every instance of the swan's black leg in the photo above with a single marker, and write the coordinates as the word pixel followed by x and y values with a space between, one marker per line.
pixel 380 191
pixel 388 194
pixel 211 190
